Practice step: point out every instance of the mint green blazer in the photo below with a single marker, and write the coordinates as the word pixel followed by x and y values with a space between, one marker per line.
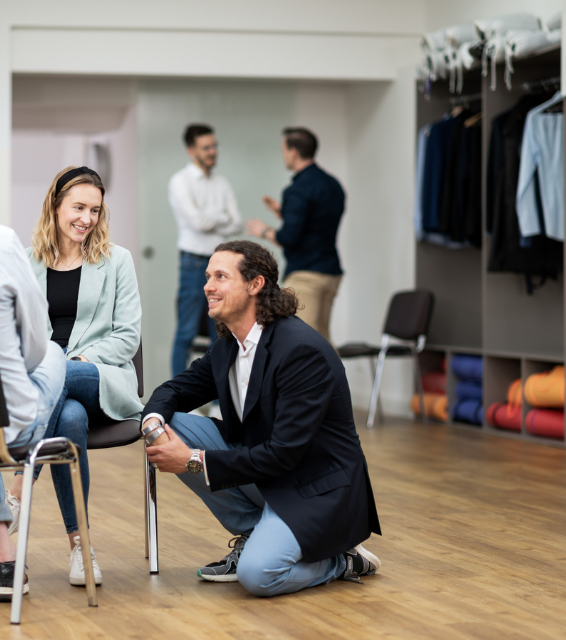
pixel 107 329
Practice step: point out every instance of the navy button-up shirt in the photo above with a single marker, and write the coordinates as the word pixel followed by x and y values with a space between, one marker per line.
pixel 311 210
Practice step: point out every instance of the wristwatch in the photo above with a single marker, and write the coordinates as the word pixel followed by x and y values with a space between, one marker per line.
pixel 194 465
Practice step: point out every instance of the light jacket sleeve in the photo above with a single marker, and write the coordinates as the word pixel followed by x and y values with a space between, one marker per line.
pixel 121 344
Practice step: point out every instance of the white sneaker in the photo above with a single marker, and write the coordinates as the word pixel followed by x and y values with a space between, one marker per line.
pixel 14 506
pixel 77 572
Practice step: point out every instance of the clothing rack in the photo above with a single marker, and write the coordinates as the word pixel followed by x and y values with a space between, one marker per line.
pixel 544 85
pixel 457 101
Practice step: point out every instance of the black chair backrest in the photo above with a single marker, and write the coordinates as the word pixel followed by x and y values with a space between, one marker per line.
pixel 4 417
pixel 409 314
pixel 203 323
pixel 138 364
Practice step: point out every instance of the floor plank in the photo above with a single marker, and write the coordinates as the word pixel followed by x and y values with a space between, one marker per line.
pixel 473 547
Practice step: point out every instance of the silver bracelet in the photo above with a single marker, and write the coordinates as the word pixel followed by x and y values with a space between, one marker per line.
pixel 154 435
pixel 150 427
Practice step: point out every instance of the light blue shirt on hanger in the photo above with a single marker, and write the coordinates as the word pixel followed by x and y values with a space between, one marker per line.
pixel 542 158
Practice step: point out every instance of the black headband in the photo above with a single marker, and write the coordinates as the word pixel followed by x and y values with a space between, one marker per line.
pixel 73 173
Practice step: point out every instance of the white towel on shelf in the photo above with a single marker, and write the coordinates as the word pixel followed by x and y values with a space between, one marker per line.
pixel 459 34
pixel 554 22
pixel 487 29
pixel 521 44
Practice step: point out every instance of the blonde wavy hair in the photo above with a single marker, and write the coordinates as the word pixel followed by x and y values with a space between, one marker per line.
pixel 46 232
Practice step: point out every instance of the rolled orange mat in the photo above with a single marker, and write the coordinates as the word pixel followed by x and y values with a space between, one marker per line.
pixel 546 389
pixel 545 422
pixel 436 406
pixel 515 393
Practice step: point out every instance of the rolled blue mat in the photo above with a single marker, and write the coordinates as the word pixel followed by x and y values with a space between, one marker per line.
pixel 466 390
pixel 467 367
pixel 468 411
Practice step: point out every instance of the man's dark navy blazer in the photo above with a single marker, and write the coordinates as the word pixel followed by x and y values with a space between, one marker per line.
pixel 298 439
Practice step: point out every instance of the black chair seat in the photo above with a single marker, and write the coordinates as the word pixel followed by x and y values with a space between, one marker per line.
pixel 361 349
pixel 114 434
pixel 19 453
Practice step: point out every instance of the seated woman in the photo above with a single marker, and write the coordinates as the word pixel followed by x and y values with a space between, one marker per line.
pixel 95 316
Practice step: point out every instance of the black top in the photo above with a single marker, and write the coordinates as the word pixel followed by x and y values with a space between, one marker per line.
pixel 62 297
pixel 311 210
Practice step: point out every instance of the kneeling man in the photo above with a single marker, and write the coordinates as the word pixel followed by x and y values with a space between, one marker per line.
pixel 284 470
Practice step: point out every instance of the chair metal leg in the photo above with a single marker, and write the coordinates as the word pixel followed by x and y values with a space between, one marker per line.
pixel 372 366
pixel 78 496
pixel 151 511
pixel 20 568
pixel 420 386
pixel 145 505
pixel 376 388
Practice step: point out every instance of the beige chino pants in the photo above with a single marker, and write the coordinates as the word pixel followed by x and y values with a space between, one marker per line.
pixel 316 292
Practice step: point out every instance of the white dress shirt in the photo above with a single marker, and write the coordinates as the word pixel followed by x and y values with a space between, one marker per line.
pixel 238 377
pixel 240 371
pixel 205 209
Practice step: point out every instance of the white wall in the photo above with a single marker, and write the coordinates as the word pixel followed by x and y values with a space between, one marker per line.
pixel 54 120
pixel 380 244
pixel 444 13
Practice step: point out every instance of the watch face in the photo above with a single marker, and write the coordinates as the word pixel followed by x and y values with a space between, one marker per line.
pixel 194 466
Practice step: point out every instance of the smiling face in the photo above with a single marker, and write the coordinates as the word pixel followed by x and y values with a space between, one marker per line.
pixel 77 215
pixel 204 152
pixel 231 299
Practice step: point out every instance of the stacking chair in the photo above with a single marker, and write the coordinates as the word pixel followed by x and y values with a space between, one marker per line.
pixel 120 434
pixel 404 334
pixel 25 458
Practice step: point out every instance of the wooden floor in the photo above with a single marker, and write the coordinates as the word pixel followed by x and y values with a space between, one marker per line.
pixel 474 546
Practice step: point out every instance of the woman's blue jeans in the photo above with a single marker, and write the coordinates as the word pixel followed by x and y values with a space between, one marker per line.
pixel 78 407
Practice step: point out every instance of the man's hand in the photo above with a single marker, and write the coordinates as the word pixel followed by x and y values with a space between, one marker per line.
pixel 272 205
pixel 171 457
pixel 256 227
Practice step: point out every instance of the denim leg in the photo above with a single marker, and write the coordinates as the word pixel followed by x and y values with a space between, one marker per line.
pixel 239 509
pixel 5 513
pixel 72 424
pixel 77 407
pixel 190 303
pixel 272 564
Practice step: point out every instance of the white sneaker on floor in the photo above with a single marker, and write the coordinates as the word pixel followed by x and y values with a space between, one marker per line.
pixel 14 506
pixel 77 572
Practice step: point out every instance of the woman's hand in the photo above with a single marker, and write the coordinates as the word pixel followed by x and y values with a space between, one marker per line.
pixel 82 358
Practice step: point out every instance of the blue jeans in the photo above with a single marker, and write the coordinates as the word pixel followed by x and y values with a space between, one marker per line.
pixel 271 563
pixel 78 407
pixel 191 303
pixel 48 378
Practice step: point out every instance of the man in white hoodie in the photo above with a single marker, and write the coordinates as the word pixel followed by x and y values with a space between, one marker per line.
pixel 32 370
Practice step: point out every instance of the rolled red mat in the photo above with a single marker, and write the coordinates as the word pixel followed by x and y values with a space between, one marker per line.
pixel 545 422
pixel 504 415
pixel 434 382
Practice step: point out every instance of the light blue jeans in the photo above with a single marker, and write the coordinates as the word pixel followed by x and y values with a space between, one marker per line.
pixel 48 378
pixel 271 563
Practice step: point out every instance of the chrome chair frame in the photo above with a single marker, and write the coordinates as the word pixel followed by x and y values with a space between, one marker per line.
pixel 66 453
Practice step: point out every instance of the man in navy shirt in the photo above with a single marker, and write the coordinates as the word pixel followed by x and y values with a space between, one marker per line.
pixel 311 210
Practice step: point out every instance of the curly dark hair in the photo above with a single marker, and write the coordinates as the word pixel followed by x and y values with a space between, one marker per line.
pixel 272 301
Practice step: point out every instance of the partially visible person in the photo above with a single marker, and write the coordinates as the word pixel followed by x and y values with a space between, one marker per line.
pixel 32 370
pixel 206 211
pixel 95 317
pixel 311 210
